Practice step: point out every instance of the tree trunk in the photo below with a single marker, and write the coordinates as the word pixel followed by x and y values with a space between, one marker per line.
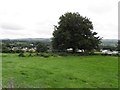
pixel 74 50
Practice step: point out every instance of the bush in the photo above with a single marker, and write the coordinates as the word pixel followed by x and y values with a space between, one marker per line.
pixel 41 47
pixel 21 54
pixel 62 54
pixel 30 54
pixel 53 54
pixel 45 55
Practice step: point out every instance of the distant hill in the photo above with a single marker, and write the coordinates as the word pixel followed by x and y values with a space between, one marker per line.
pixel 30 39
pixel 37 39
pixel 109 42
pixel 105 42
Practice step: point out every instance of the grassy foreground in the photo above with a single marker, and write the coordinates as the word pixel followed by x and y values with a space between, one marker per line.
pixel 60 72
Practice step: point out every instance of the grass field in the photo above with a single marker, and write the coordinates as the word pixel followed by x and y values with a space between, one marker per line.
pixel 60 72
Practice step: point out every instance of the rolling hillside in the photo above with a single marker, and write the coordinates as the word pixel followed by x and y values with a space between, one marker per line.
pixel 105 42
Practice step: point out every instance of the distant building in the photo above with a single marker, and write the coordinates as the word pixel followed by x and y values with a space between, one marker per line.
pixel 32 50
pixel 108 52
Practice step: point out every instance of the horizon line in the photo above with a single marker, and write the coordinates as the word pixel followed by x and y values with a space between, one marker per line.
pixel 47 38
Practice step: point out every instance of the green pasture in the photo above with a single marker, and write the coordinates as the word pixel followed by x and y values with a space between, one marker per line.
pixel 60 71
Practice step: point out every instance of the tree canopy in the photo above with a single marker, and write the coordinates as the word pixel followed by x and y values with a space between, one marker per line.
pixel 76 32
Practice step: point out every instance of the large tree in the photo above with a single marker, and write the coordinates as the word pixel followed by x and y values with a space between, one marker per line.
pixel 76 32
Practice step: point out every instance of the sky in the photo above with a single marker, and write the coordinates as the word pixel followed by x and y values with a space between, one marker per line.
pixel 36 18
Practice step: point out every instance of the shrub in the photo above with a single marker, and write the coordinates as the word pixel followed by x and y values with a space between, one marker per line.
pixel 21 54
pixel 63 54
pixel 53 54
pixel 45 55
pixel 30 54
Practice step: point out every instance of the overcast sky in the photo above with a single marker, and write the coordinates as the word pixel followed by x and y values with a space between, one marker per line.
pixel 36 18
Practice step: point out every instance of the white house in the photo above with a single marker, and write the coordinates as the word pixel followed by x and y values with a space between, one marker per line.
pixel 109 52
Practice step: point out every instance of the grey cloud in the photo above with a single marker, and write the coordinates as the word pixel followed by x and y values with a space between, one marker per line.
pixel 100 8
pixel 11 26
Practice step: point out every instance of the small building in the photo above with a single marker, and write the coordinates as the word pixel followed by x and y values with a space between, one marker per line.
pixel 108 52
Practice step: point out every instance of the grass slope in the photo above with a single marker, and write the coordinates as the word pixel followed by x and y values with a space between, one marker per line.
pixel 60 72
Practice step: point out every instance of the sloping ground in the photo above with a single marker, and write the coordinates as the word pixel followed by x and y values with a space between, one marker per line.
pixel 60 72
